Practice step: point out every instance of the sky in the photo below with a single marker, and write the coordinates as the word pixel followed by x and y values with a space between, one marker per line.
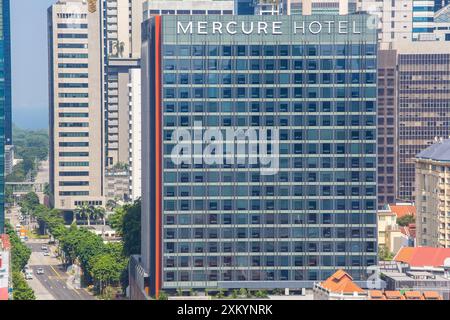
pixel 29 62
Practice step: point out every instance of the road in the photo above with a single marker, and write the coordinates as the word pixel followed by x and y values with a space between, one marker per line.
pixel 53 284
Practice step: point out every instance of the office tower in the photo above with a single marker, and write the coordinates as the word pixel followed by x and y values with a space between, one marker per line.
pixel 387 127
pixel 5 99
pixel 423 105
pixel 187 7
pixel 432 195
pixel 76 73
pixel 394 19
pixel 123 49
pixel 5 67
pixel 423 25
pixel 282 215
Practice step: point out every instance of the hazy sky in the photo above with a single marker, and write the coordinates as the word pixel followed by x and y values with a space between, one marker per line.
pixel 29 61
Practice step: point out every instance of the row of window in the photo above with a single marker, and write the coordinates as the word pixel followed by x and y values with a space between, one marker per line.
pixel 269 218
pixel 270 120
pixel 269 191
pixel 271 50
pixel 270 275
pixel 266 93
pixel 185 176
pixel 74 164
pixel 269 233
pixel 269 64
pixel 267 106
pixel 268 78
pixel 269 205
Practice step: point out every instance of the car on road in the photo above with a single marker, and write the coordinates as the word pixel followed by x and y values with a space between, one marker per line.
pixel 46 253
pixel 29 275
pixel 44 247
pixel 40 271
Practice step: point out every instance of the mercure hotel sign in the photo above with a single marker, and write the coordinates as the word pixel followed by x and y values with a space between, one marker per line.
pixel 267 27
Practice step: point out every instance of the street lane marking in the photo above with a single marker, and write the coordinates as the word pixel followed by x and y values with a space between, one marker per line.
pixel 56 272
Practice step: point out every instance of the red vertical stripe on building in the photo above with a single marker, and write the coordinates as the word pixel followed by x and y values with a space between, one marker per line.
pixel 158 151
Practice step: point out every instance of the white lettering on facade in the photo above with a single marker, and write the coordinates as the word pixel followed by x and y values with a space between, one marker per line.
pixel 263 27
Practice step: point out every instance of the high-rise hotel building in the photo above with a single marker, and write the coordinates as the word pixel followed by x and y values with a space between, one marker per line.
pixel 307 86
pixel 76 104
pixel 5 98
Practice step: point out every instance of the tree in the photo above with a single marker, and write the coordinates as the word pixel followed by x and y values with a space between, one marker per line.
pixel 99 213
pixel 20 253
pixel 105 271
pixel 126 220
pixel 406 220
pixel 131 233
pixel 384 254
pixel 85 211
pixel 21 289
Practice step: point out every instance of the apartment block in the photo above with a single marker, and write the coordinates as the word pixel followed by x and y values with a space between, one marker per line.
pixel 123 49
pixel 433 195
pixel 76 71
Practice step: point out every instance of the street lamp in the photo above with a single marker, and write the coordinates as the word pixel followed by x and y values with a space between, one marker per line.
pixel 92 6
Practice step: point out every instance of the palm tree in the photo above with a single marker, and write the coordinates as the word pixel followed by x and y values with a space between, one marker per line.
pixel 99 212
pixel 83 210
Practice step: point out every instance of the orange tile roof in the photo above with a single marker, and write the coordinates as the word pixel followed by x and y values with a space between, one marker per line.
pixel 394 295
pixel 413 295
pixel 403 210
pixel 376 295
pixel 341 281
pixel 432 295
pixel 423 256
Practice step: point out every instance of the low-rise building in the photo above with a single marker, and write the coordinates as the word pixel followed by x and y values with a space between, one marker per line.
pixel 5 279
pixel 390 234
pixel 339 286
pixel 420 269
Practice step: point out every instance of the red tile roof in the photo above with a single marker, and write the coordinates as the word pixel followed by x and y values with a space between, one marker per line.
pixel 432 295
pixel 413 295
pixel 423 256
pixel 376 295
pixel 341 281
pixel 394 295
pixel 403 210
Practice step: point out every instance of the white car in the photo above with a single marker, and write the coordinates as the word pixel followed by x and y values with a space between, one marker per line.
pixel 40 271
pixel 46 253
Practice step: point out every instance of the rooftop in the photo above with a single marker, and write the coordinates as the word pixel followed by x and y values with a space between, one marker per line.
pixel 403 209
pixel 423 256
pixel 440 151
pixel 341 282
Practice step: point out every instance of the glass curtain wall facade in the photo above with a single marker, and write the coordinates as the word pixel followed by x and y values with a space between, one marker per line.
pixel 423 104
pixel 226 225
pixel 5 98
